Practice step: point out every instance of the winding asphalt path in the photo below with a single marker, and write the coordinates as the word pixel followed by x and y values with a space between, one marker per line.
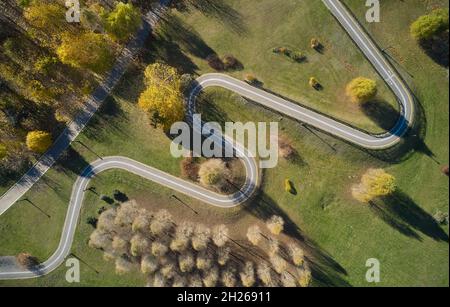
pixel 8 266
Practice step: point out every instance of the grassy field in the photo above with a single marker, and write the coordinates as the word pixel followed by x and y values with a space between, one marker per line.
pixel 338 233
pixel 251 31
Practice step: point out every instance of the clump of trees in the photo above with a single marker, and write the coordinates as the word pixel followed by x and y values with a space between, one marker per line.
pixel 428 26
pixel 374 183
pixel 163 97
pixel 181 254
pixel 361 89
pixel 39 141
pixel 214 173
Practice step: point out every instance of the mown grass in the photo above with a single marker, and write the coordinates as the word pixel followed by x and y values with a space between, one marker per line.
pixel 251 31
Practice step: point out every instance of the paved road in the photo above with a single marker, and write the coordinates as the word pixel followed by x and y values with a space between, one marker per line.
pixel 10 270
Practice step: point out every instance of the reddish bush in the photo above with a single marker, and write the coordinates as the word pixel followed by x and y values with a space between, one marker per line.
pixel 189 168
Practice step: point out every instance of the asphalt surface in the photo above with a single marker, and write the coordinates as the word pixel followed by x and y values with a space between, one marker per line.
pixel 10 270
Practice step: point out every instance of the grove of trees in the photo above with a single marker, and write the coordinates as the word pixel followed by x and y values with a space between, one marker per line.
pixel 179 254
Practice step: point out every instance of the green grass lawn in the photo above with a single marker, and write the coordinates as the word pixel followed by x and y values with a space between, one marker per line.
pixel 251 31
pixel 339 233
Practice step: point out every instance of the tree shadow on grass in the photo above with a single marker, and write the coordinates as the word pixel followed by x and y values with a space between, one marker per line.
pixel 71 162
pixel 218 9
pixel 106 121
pixel 325 270
pixel 382 113
pixel 175 30
pixel 404 215
pixel 437 48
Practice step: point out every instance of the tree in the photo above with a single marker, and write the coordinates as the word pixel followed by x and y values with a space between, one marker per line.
pixel 314 83
pixel 163 97
pixel 289 186
pixel 223 255
pixel 126 214
pixel 211 277
pixel 204 261
pixel 304 277
pixel 275 224
pixel 3 151
pixel 179 281
pixel 120 245
pixel 427 26
pixel 254 235
pixel 278 263
pixel 200 240
pixel 149 264
pixel 124 265
pixel 100 240
pixel 27 261
pixel 214 173
pixel 159 280
pixel 89 50
pixel 159 249
pixel 361 90
pixel 297 254
pixel 186 262
pixel 182 237
pixel 228 277
pixel 123 21
pixel 220 235
pixel 274 246
pixel 106 220
pixel 248 275
pixel 375 183
pixel 39 141
pixel 315 43
pixel 264 273
pixel 139 245
pixel 45 16
pixel 195 281
pixel 288 280
pixel 161 223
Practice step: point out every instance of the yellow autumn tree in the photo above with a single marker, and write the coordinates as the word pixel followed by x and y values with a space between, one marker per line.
pixel 89 50
pixel 39 141
pixel 375 183
pixel 361 90
pixel 45 16
pixel 163 98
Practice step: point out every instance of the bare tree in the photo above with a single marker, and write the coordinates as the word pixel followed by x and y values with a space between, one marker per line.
pixel 200 240
pixel 288 280
pixel 248 275
pixel 186 262
pixel 139 245
pixel 254 235
pixel 220 235
pixel 161 223
pixel 204 260
pixel 223 255
pixel 278 263
pixel 228 277
pixel 264 273
pixel 211 277
pixel 159 249
pixel 149 264
pixel 275 224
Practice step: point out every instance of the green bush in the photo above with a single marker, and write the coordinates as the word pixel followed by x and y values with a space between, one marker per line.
pixel 427 26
